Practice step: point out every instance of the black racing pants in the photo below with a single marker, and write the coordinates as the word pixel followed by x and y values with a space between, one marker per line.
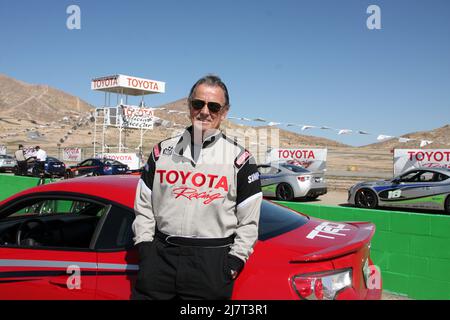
pixel 22 168
pixel 180 272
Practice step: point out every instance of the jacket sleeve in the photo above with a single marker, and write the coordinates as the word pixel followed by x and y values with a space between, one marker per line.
pixel 144 222
pixel 248 206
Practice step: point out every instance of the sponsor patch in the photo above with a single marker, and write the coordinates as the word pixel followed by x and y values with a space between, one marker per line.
pixel 242 159
pixel 156 152
pixel 253 177
pixel 168 151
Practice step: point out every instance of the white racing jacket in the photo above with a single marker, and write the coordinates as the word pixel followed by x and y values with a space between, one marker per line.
pixel 216 196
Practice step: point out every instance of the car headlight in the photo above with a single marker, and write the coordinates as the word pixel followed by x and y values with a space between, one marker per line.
pixel 323 285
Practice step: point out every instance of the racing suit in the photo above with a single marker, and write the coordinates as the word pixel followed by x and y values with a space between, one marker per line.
pixel 210 203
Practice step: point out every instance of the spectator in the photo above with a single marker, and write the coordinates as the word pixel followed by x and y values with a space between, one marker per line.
pixel 41 156
pixel 21 161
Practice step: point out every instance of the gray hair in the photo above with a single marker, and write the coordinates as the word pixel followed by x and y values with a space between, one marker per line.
pixel 212 81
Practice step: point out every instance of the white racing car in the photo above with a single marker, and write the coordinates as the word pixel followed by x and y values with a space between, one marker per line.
pixel 7 163
pixel 422 188
pixel 286 182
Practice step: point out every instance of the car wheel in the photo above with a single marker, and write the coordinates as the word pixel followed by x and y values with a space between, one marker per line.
pixel 285 192
pixel 447 205
pixel 366 198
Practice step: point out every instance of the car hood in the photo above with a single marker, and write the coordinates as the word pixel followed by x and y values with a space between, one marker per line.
pixel 321 240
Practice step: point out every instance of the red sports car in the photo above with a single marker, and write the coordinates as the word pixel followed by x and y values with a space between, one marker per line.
pixel 73 240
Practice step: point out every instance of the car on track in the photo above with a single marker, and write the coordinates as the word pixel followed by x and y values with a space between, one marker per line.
pixel 7 163
pixel 97 167
pixel 72 239
pixel 422 188
pixel 52 167
pixel 288 181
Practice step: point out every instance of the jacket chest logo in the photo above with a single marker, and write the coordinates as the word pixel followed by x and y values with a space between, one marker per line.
pixel 168 151
pixel 190 183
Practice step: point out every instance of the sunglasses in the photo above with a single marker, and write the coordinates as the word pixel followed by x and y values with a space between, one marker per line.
pixel 212 106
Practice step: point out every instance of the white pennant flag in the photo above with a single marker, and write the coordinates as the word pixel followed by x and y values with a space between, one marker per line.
pixel 423 143
pixel 273 123
pixel 245 119
pixel 307 127
pixel 325 128
pixel 259 120
pixel 404 140
pixel 382 137
pixel 363 132
pixel 292 125
pixel 345 131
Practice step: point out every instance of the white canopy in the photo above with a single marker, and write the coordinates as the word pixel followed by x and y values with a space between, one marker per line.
pixel 127 85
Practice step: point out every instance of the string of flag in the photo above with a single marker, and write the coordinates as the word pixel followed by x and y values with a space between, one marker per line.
pixel 304 127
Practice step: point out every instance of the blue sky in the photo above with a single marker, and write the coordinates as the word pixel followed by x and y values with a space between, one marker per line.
pixel 306 62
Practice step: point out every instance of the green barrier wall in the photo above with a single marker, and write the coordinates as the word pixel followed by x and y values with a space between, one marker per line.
pixel 412 249
pixel 10 184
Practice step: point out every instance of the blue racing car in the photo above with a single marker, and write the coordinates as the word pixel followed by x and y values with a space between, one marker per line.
pixel 97 167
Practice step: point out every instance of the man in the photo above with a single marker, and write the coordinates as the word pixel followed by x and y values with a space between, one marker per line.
pixel 21 161
pixel 41 157
pixel 197 206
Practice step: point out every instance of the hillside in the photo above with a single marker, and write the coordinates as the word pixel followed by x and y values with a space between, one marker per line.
pixel 22 101
pixel 439 136
pixel 40 115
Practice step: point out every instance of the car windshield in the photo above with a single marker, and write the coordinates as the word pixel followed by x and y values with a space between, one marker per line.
pixel 113 162
pixel 52 159
pixel 294 168
pixel 276 220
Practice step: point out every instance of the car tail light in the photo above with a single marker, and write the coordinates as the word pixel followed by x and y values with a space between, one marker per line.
pixel 321 286
pixel 372 275
pixel 107 168
pixel 303 178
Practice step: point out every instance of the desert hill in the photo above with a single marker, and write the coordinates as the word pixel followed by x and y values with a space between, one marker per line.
pixel 20 100
pixel 45 116
pixel 440 138
pixel 40 115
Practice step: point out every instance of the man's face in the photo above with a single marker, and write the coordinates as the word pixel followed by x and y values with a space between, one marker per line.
pixel 205 119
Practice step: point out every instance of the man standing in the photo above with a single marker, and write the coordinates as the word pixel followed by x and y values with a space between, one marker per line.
pixel 41 157
pixel 21 161
pixel 197 206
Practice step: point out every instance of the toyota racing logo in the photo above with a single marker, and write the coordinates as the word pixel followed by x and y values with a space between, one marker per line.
pixel 191 182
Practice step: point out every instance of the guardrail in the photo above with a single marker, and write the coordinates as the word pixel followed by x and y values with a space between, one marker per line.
pixel 412 249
